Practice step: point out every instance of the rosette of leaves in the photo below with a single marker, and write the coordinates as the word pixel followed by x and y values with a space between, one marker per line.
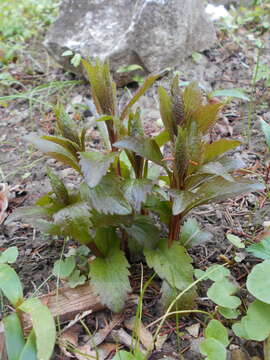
pixel 109 211
pixel 36 345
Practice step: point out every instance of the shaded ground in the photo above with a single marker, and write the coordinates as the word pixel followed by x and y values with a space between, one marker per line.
pixel 229 65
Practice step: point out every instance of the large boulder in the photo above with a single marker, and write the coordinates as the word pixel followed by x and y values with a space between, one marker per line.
pixel 152 33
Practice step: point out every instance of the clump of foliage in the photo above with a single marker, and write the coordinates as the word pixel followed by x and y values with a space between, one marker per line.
pixel 110 212
pixel 36 345
pixel 22 21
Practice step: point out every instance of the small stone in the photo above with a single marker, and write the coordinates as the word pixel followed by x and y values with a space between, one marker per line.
pixel 194 330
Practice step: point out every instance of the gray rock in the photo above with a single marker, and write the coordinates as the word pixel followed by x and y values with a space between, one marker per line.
pixel 152 33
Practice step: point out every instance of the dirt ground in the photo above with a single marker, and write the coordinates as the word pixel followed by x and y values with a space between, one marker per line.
pixel 229 64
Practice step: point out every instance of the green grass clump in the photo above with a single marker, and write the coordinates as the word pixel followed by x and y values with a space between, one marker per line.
pixel 21 20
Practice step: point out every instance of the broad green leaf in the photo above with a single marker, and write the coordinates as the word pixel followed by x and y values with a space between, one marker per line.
pixel 136 191
pixel 43 325
pixel 172 264
pixel 234 93
pixel 128 68
pixel 206 116
pixel 213 349
pixel 31 211
pixel 258 281
pixel 109 278
pixel 261 249
pixel 220 189
pixel 217 331
pixel 102 85
pixel 14 338
pixel 215 168
pixel 192 97
pixel 66 126
pixel 107 197
pixel 58 188
pixel 228 313
pixel 162 138
pixel 181 200
pixel 69 145
pixel 9 255
pixel 221 292
pixel 166 112
pixel 29 351
pixel 146 85
pixel 160 207
pixel 10 284
pixel 169 293
pixel 191 234
pixel 74 221
pixel 256 324
pixel 236 241
pixel 53 150
pixel 214 273
pixel 105 239
pixel 63 268
pixel 266 130
pixel 145 147
pixel 125 355
pixel 218 148
pixel 76 279
pixel 144 232
pixel 95 165
pixel 48 227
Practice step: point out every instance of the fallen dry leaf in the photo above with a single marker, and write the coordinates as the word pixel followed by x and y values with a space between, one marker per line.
pixel 194 330
pixel 145 336
pixel 4 191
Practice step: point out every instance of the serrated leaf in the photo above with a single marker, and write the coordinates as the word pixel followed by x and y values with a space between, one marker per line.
pixel 10 284
pixel 53 150
pixel 228 313
pixel 172 264
pixel 146 85
pixel 63 268
pixel 58 188
pixel 76 279
pixel 221 292
pixel 213 349
pixel 136 191
pixel 218 148
pixel 236 241
pixel 258 281
pixel 191 234
pixel 9 255
pixel 74 221
pixel 145 147
pixel 29 351
pixel 261 249
pixel 217 331
pixel 109 278
pixel 14 338
pixel 107 197
pixel 266 130
pixel 31 211
pixel 43 325
pixel 95 165
pixel 143 231
pixel 234 93
pixel 256 324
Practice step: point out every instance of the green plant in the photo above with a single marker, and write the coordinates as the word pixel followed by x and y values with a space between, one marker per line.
pixel 40 342
pixel 110 212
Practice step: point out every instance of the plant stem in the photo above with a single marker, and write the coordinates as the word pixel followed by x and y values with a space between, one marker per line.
pixel 266 349
pixel 94 249
pixel 174 229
